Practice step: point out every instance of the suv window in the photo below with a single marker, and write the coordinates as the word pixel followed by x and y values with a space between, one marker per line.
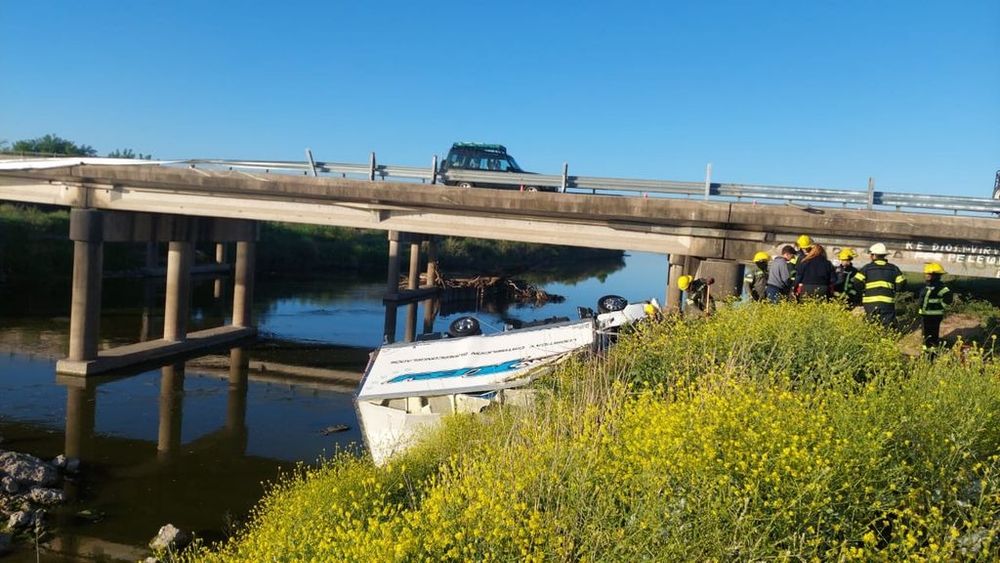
pixel 481 159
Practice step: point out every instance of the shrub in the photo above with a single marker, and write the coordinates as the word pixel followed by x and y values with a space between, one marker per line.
pixel 745 436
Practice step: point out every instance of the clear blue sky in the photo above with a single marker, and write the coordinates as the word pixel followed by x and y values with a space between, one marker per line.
pixel 795 93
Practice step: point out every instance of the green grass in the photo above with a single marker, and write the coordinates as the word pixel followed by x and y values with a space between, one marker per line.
pixel 789 432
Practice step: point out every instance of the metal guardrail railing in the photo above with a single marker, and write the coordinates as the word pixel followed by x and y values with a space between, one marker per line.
pixel 864 199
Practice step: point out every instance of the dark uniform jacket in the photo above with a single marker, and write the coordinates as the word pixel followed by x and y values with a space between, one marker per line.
pixel 933 299
pixel 877 282
pixel 816 272
pixel 845 283
pixel 756 280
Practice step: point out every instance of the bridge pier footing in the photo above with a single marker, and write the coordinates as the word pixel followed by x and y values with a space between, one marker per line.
pixel 90 229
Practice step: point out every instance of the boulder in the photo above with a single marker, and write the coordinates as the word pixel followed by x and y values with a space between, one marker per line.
pixel 170 538
pixel 59 462
pixel 20 519
pixel 9 485
pixel 47 496
pixel 27 469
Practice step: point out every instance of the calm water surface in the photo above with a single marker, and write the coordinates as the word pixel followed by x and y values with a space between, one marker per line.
pixel 193 443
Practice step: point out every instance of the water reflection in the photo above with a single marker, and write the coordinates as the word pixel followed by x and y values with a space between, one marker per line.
pixel 189 443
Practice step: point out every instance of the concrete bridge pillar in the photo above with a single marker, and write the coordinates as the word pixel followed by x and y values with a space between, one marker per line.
pixel 728 276
pixel 171 405
pixel 674 271
pixel 430 312
pixel 389 330
pixel 432 261
pixel 413 276
pixel 86 232
pixel 220 259
pixel 411 323
pixel 246 254
pixel 175 312
pixel 392 276
pixel 412 282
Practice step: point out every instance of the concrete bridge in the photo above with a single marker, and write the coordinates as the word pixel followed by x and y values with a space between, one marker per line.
pixel 180 206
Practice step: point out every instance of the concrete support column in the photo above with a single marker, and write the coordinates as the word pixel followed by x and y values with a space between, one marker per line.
pixel 728 277
pixel 86 232
pixel 220 258
pixel 389 330
pixel 413 276
pixel 430 312
pixel 147 310
pixel 392 276
pixel 246 253
pixel 411 323
pixel 675 271
pixel 432 261
pixel 171 410
pixel 176 309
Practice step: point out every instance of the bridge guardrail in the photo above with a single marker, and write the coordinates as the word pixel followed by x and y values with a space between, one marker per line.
pixel 595 184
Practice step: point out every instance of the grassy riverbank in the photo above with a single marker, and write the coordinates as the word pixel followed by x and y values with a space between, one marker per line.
pixel 765 432
pixel 34 244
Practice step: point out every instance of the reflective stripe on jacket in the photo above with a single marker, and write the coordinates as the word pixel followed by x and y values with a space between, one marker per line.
pixel 933 299
pixel 878 281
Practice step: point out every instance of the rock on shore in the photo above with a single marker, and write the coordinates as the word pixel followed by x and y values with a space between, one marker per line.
pixel 28 485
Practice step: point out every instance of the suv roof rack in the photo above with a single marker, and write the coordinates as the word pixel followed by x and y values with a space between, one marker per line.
pixel 480 146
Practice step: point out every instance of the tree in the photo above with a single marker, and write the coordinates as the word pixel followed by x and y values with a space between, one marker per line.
pixel 52 144
pixel 128 153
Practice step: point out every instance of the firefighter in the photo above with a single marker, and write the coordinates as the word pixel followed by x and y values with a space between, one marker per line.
pixel 697 292
pixel 756 276
pixel 844 284
pixel 878 282
pixel 934 297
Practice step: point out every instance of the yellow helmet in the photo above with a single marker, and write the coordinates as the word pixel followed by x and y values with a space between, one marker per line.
pixel 683 282
pixel 761 257
pixel 933 268
pixel 846 254
pixel 804 241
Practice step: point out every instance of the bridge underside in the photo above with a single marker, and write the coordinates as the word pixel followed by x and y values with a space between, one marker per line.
pixel 719 230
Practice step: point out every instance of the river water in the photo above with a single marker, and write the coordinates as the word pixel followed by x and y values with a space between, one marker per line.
pixel 193 443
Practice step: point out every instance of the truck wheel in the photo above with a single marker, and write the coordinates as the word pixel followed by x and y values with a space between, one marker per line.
pixel 464 326
pixel 465 184
pixel 611 303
